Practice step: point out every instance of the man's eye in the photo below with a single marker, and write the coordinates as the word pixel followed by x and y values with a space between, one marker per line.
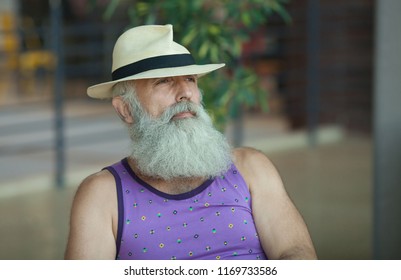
pixel 191 79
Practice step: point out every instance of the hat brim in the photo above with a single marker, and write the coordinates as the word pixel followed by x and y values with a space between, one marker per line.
pixel 104 90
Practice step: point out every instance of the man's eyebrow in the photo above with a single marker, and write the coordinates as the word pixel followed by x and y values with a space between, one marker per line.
pixel 155 80
pixel 192 76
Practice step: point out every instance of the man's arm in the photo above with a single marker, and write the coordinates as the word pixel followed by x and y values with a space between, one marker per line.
pixel 281 229
pixel 93 219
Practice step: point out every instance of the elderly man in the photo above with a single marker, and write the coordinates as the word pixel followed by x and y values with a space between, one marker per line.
pixel 182 193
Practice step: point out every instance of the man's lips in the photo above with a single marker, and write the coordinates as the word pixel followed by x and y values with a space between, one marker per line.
pixel 184 115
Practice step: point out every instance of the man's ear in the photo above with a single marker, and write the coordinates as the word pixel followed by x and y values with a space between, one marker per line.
pixel 122 109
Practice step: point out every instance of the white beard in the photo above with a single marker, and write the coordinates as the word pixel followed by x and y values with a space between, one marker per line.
pixel 171 149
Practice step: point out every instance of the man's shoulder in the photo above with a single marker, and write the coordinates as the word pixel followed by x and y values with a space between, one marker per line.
pixel 94 217
pixel 249 156
pixel 101 178
pixel 254 165
pixel 97 185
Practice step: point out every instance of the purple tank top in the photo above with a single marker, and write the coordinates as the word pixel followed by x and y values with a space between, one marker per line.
pixel 213 221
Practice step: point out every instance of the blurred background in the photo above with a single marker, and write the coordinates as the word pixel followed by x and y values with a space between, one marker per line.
pixel 313 84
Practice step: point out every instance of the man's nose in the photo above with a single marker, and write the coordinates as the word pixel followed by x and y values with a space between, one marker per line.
pixel 184 91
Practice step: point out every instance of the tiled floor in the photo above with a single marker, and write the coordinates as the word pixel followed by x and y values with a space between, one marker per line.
pixel 331 185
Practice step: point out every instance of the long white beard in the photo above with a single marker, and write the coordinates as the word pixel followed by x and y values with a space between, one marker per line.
pixel 169 149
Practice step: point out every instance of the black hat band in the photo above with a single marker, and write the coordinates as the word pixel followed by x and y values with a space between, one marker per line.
pixel 157 62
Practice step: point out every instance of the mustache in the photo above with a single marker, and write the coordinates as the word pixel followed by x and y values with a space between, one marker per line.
pixel 180 107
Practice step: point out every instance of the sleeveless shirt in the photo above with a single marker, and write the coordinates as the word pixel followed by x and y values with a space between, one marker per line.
pixel 213 221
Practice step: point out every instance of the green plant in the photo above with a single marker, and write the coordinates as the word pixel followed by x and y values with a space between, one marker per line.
pixel 214 31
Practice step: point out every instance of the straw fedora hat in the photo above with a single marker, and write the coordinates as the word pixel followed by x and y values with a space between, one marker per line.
pixel 149 51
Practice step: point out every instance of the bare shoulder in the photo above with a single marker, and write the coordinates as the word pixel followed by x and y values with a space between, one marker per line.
pixel 99 182
pixel 93 218
pixel 246 155
pixel 255 166
pixel 96 197
pixel 98 187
